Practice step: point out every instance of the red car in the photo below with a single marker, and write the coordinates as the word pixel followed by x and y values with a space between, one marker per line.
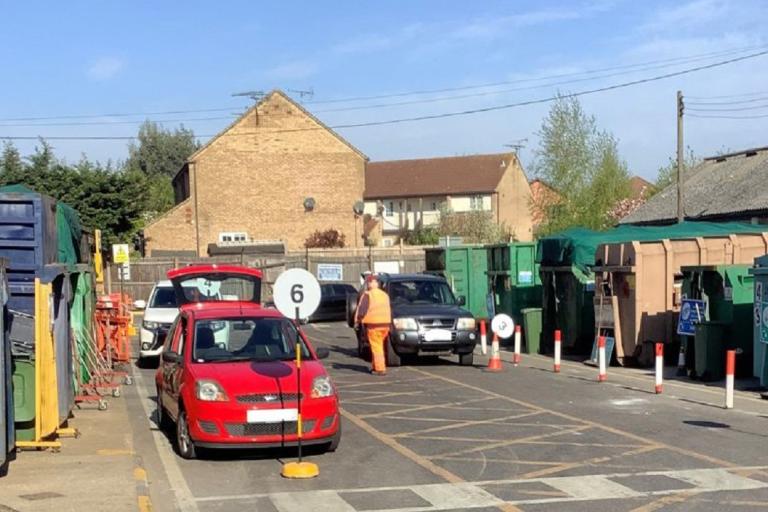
pixel 227 376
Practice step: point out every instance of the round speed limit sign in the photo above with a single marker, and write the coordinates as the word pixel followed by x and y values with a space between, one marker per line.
pixel 296 293
pixel 503 325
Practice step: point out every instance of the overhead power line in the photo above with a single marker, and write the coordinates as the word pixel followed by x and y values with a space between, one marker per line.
pixel 636 67
pixel 470 111
pixel 726 96
pixel 670 61
pixel 101 123
pixel 707 116
pixel 736 102
pixel 731 109
pixel 123 114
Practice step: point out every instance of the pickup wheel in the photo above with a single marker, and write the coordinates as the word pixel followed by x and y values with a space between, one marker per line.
pixel 467 359
pixel 393 359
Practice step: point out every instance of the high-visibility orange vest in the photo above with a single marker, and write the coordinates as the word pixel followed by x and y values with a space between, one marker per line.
pixel 379 311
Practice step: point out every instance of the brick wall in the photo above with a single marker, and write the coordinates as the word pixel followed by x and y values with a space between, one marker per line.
pixel 255 177
pixel 514 202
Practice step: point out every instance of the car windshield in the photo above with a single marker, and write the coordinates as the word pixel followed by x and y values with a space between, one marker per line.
pixel 164 297
pixel 238 339
pixel 420 292
pixel 219 287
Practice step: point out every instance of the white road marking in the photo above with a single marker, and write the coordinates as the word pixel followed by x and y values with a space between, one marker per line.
pixel 717 479
pixel 592 488
pixel 318 501
pixel 456 496
pixel 185 500
pixel 471 495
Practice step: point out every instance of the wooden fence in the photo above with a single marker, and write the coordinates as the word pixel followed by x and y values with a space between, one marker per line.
pixel 349 263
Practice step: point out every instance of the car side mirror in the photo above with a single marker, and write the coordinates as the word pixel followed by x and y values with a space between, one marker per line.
pixel 171 357
pixel 322 352
pixel 462 300
pixel 140 304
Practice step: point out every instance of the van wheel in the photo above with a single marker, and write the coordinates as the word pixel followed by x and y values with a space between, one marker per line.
pixel 392 358
pixel 467 359
pixel 184 442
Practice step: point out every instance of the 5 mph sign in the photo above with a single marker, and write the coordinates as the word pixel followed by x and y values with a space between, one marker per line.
pixel 296 293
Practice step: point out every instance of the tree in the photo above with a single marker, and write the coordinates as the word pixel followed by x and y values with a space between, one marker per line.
pixel 156 157
pixel 667 174
pixel 583 164
pixel 108 199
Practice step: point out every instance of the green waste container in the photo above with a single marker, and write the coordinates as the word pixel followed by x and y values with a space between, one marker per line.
pixel 728 291
pixel 760 320
pixel 709 351
pixel 24 398
pixel 568 304
pixel 464 267
pixel 532 329
pixel 513 278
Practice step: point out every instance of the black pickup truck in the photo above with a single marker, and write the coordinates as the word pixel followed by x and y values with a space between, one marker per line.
pixel 427 319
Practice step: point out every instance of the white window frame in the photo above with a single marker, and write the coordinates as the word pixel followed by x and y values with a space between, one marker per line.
pixel 476 202
pixel 389 209
pixel 387 242
pixel 233 236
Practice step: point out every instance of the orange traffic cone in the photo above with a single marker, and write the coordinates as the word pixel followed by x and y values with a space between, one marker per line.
pixel 494 363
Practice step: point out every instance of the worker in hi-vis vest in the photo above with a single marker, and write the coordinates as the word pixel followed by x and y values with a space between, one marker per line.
pixel 375 314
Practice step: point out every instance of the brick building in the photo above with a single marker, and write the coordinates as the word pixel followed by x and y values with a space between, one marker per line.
pixel 406 194
pixel 276 174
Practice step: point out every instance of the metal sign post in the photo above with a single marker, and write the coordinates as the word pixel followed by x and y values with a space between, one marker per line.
pixel 297 295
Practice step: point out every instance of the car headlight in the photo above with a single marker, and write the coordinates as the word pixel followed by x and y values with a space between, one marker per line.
pixel 466 324
pixel 150 326
pixel 322 387
pixel 405 324
pixel 210 391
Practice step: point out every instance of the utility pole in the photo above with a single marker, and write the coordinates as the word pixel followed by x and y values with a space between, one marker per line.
pixel 680 156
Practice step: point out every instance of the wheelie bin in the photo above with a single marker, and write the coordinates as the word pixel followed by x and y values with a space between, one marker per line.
pixel 709 351
pixel 532 329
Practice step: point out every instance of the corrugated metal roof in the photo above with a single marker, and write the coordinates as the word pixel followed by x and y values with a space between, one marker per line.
pixel 720 186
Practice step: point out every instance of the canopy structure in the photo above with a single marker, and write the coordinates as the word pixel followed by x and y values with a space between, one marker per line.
pixel 577 246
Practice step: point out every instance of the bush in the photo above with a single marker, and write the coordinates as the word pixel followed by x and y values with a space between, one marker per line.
pixel 421 236
pixel 328 239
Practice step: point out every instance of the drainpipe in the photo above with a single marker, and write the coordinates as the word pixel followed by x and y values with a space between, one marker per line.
pixel 193 166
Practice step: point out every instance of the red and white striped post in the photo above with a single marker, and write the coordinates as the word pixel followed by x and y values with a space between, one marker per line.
pixel 558 348
pixel 659 367
pixel 483 337
pixel 730 372
pixel 601 376
pixel 516 357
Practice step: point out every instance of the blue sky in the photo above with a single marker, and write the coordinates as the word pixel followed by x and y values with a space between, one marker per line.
pixel 135 57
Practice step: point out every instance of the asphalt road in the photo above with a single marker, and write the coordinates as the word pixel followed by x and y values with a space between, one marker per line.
pixel 437 436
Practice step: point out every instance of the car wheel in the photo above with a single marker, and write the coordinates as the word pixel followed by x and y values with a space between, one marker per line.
pixel 163 420
pixel 335 440
pixel 392 358
pixel 184 442
pixel 467 359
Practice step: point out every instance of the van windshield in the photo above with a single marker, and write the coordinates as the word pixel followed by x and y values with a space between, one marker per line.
pixel 164 297
pixel 420 292
pixel 246 339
